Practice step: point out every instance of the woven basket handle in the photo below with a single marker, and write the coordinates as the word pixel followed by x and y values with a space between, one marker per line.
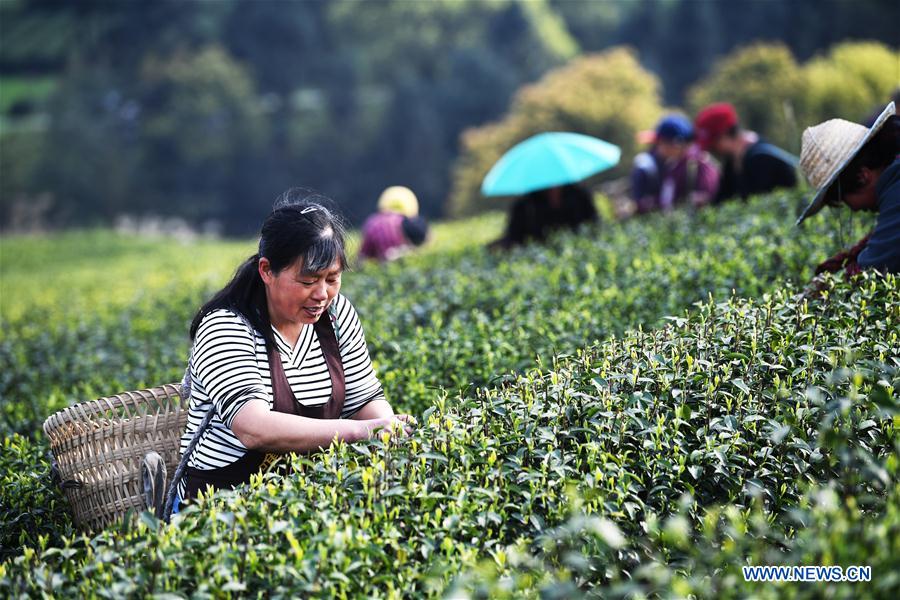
pixel 182 465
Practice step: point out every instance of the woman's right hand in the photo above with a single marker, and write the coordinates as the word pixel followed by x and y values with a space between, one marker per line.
pixel 398 423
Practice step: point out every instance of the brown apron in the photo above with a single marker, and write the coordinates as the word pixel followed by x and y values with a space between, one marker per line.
pixel 254 461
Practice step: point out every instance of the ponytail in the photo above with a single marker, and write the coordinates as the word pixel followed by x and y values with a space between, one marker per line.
pixel 244 294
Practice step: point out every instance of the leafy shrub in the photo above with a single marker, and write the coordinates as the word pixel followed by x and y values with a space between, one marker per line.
pixel 607 95
pixel 736 403
pixel 764 83
pixel 31 504
pixel 453 318
pixel 702 557
pixel 460 318
pixel 851 81
pixel 699 553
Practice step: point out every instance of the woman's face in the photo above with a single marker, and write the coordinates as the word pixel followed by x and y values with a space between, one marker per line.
pixel 297 297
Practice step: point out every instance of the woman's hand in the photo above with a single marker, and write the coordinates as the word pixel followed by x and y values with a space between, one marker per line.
pixel 378 414
pixel 393 423
pixel 259 428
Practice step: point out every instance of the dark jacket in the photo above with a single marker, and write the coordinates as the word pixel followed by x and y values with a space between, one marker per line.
pixel 764 168
pixel 533 217
pixel 882 251
pixel 646 180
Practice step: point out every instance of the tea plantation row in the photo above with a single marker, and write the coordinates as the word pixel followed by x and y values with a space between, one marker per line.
pixel 452 317
pixel 707 554
pixel 90 315
pixel 447 319
pixel 656 463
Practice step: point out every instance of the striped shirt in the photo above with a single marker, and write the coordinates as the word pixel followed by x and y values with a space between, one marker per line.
pixel 230 367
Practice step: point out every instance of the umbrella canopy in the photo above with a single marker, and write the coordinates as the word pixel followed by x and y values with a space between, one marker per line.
pixel 548 160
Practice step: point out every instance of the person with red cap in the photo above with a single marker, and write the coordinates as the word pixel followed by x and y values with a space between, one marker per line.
pixel 750 165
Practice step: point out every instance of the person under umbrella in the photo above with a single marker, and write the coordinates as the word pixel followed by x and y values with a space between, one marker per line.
pixel 859 167
pixel 543 171
pixel 537 214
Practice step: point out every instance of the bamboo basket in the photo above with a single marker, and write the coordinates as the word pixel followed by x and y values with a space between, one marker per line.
pixel 100 445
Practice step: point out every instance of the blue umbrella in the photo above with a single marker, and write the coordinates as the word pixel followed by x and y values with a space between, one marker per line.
pixel 548 160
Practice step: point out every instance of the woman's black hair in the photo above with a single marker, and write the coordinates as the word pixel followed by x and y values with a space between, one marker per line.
pixel 299 226
pixel 878 153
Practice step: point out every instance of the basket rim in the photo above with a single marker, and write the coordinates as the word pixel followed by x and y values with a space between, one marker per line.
pixel 83 411
pixel 99 443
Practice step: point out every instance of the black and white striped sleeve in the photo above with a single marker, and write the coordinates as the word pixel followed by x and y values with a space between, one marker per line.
pixel 225 361
pixel 362 385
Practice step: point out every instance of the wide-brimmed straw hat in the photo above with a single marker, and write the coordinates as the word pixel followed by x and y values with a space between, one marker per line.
pixel 826 150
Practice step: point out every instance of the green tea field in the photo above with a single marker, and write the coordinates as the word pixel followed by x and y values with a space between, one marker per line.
pixel 636 411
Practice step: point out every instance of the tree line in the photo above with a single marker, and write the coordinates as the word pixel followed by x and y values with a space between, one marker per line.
pixel 206 110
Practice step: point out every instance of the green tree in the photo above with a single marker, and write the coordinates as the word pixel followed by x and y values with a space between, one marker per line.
pixel 20 155
pixel 287 46
pixel 779 98
pixel 176 142
pixel 90 163
pixel 442 66
pixel 200 120
pixel 607 95
pixel 849 82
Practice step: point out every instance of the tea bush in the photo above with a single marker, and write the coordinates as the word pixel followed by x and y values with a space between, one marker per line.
pixel 31 503
pixel 90 315
pixel 831 525
pixel 445 319
pixel 574 559
pixel 739 405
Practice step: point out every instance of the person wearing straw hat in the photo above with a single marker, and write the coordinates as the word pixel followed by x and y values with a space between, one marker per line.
pixel 396 228
pixel 399 199
pixel 859 166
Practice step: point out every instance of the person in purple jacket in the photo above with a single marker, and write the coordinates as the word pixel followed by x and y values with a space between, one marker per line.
pixel 395 229
pixel 674 171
